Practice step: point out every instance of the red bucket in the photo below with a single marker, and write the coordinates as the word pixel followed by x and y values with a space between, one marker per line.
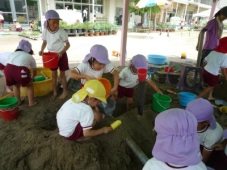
pixel 10 114
pixel 50 60
pixel 142 74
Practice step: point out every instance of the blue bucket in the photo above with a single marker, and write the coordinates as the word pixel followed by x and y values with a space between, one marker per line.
pixel 185 98
pixel 107 108
pixel 156 59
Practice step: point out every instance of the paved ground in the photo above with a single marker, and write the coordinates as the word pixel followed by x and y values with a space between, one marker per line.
pixel 155 43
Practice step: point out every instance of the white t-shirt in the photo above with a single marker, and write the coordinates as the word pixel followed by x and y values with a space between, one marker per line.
pixel 208 137
pixel 21 58
pixel 1 17
pixel 215 61
pixel 4 57
pixel 85 13
pixel 154 164
pixel 85 68
pixel 70 114
pixel 55 40
pixel 128 78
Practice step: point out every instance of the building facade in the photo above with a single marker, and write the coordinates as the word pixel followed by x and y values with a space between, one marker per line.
pixel 25 10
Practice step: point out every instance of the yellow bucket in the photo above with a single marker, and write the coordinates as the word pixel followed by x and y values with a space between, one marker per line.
pixel 41 88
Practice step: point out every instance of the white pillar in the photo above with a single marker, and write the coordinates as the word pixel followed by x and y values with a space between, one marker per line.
pixel 186 8
pixel 124 32
pixel 176 10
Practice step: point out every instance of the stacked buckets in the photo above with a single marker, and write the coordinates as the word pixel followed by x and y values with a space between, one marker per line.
pixel 9 108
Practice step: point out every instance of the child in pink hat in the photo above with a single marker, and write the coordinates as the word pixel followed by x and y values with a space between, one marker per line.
pixel 94 65
pixel 56 40
pixel 177 144
pixel 17 71
pixel 208 130
pixel 129 79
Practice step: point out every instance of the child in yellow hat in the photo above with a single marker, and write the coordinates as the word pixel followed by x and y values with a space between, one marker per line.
pixel 79 114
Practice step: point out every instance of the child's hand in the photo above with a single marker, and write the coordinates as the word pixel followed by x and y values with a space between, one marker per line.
pixel 113 91
pixel 218 146
pixel 160 92
pixel 107 129
pixel 88 77
pixel 60 55
pixel 41 53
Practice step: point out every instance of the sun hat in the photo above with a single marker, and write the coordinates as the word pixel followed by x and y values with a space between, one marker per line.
pixel 25 46
pixel 203 111
pixel 222 45
pixel 52 14
pixel 223 11
pixel 139 61
pixel 99 52
pixel 177 141
pixel 92 88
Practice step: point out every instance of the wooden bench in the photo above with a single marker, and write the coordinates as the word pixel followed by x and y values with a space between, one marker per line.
pixel 142 29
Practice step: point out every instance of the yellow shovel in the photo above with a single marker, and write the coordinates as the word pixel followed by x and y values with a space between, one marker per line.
pixel 7 95
pixel 223 109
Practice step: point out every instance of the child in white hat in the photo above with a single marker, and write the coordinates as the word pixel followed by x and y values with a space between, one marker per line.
pixel 56 40
pixel 79 114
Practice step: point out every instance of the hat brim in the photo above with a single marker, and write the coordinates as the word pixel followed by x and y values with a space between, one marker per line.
pixel 102 99
pixel 79 95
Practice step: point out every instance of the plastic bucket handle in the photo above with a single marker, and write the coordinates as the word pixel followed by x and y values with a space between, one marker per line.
pixel 50 60
pixel 161 105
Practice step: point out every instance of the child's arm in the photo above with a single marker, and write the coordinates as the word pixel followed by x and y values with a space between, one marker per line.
pixel 154 86
pixel 205 155
pixel 224 70
pixel 75 75
pixel 91 132
pixel 116 81
pixel 67 45
pixel 43 46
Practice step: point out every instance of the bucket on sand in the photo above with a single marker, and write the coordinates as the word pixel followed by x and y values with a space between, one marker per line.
pixel 160 102
pixel 107 108
pixel 106 83
pixel 185 98
pixel 142 74
pixel 9 108
pixel 50 60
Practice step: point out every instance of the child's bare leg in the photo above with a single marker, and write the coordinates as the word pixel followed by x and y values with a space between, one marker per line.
pixel 205 91
pixel 210 97
pixel 30 93
pixel 8 89
pixel 16 93
pixel 54 84
pixel 129 103
pixel 64 84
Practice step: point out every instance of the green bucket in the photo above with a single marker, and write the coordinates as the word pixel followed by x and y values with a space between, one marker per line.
pixel 8 103
pixel 160 102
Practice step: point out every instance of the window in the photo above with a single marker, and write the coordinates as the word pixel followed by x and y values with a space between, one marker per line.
pixel 22 18
pixel 77 7
pixel 59 6
pixel 5 6
pixel 20 5
pixel 76 0
pixel 8 18
pixel 85 1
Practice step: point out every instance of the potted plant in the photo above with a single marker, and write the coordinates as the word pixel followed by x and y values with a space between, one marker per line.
pixel 97 29
pixel 86 28
pixel 79 27
pixel 73 29
pixel 114 29
pixel 91 29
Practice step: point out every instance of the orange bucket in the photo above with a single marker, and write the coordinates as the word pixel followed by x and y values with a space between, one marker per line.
pixel 142 74
pixel 50 60
pixel 10 114
pixel 106 83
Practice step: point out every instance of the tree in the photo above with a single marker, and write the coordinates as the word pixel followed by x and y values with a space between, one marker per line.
pixel 141 11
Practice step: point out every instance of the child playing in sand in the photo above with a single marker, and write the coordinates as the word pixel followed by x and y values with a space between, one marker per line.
pixel 17 71
pixel 3 61
pixel 215 61
pixel 56 40
pixel 177 144
pixel 94 65
pixel 208 130
pixel 79 114
pixel 129 79
pixel 220 161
